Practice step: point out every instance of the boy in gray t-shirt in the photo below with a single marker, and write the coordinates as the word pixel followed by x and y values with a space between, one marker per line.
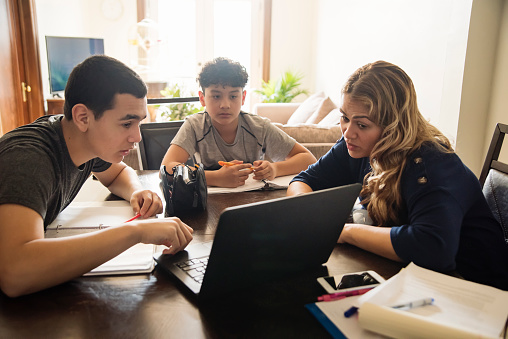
pixel 224 133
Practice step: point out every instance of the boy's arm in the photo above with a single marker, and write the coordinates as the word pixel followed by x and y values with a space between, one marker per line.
pixel 29 262
pixel 232 176
pixel 123 181
pixel 174 156
pixel 297 160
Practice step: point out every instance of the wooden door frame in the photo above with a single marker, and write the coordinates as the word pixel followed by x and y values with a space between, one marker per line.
pixel 11 99
pixel 21 58
pixel 267 39
pixel 31 59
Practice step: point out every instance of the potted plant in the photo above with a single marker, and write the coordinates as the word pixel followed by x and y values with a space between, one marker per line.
pixel 177 111
pixel 283 90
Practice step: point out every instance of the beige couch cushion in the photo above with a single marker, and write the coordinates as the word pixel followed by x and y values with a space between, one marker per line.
pixel 306 108
pixel 310 133
pixel 332 118
pixel 322 111
pixel 318 149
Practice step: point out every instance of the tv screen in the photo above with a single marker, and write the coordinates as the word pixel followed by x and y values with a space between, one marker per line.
pixel 64 53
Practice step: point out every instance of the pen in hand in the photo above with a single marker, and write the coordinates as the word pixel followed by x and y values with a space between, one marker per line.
pixel 227 164
pixel 133 218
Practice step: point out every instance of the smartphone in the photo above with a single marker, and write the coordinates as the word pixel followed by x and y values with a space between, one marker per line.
pixel 350 281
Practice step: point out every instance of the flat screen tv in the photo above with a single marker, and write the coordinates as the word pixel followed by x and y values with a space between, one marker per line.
pixel 64 53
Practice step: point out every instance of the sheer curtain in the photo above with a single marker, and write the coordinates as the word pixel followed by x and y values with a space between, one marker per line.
pixel 193 32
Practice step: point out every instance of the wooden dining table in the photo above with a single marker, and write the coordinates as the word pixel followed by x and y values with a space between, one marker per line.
pixel 155 305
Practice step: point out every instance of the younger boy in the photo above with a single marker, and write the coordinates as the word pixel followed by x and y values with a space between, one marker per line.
pixel 224 133
pixel 44 164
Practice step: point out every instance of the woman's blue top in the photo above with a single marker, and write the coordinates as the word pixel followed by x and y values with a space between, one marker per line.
pixel 446 222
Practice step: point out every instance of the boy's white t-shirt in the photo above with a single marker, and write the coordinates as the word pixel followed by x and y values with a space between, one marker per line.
pixel 256 138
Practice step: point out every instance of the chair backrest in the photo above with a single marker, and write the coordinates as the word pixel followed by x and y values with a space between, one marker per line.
pixel 492 158
pixel 156 138
pixel 494 179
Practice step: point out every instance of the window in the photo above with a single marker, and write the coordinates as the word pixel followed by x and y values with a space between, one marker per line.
pixel 192 32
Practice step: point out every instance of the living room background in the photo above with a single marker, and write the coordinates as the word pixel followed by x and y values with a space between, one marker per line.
pixel 437 42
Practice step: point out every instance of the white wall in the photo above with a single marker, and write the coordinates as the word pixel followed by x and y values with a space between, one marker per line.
pixel 456 52
pixel 326 40
pixel 426 38
pixel 485 84
pixel 293 40
pixel 498 108
pixel 83 19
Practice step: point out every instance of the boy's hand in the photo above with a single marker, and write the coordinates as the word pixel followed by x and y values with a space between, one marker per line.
pixel 234 174
pixel 146 203
pixel 170 232
pixel 264 169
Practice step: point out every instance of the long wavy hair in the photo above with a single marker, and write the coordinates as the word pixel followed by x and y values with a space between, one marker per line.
pixel 389 95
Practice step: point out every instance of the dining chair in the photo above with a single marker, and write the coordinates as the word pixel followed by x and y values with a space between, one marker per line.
pixel 494 179
pixel 156 138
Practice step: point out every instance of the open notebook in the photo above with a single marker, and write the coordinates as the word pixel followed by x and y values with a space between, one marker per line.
pixel 252 185
pixel 96 215
pixel 92 215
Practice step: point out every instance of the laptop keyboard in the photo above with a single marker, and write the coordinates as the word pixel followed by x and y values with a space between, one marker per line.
pixel 194 268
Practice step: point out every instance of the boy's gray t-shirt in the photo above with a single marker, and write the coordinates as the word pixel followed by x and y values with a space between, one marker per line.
pixel 36 169
pixel 256 138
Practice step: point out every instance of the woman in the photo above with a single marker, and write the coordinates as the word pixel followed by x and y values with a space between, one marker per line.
pixel 430 204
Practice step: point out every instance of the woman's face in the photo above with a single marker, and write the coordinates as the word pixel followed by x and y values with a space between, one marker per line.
pixel 360 133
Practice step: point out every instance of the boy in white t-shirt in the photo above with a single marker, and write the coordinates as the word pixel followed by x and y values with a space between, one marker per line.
pixel 224 133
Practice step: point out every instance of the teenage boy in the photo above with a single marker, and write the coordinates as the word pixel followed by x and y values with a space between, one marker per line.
pixel 44 164
pixel 224 133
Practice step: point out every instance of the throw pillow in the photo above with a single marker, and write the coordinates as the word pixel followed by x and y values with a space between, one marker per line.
pixel 306 109
pixel 322 111
pixel 333 118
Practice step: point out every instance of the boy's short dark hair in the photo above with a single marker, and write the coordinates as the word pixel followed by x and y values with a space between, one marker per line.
pixel 95 81
pixel 222 71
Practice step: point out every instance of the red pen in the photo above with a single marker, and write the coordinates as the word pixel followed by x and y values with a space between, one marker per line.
pixel 342 295
pixel 134 217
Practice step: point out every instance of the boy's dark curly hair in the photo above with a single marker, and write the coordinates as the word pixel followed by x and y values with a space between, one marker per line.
pixel 222 71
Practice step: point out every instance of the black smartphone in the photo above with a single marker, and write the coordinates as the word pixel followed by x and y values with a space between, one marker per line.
pixel 350 281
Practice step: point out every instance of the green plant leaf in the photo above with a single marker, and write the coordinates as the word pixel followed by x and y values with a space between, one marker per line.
pixel 283 90
pixel 180 110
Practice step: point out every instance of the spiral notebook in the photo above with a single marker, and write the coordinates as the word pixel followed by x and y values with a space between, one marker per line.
pixel 92 215
pixel 88 216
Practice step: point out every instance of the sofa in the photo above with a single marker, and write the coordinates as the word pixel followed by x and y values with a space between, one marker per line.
pixel 313 123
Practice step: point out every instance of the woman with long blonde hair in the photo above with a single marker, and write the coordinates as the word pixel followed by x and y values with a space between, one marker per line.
pixel 427 205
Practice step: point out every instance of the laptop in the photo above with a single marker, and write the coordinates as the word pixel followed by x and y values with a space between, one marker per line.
pixel 264 241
